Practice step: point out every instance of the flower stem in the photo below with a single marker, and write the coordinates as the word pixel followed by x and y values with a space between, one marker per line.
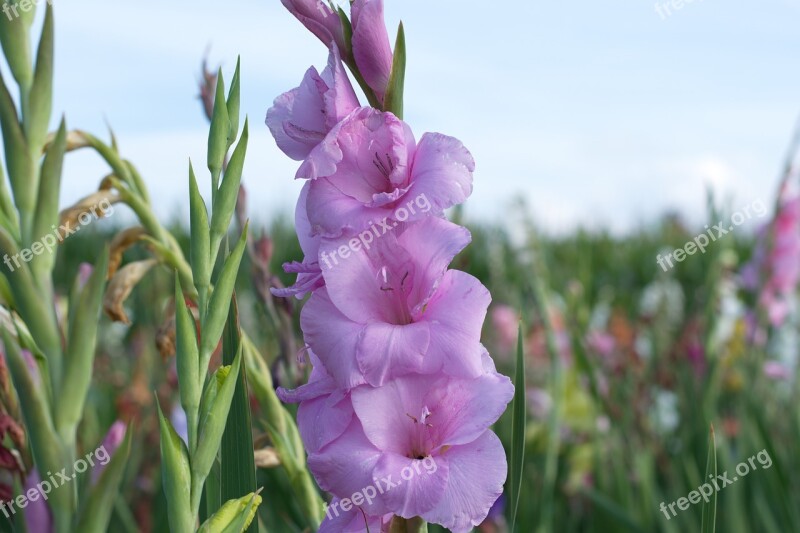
pixel 410 525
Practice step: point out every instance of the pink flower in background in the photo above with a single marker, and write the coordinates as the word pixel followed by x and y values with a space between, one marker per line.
pixel 776 371
pixel 395 308
pixel 112 440
pixel 301 118
pixel 369 166
pixel 320 19
pixel 371 48
pixel 505 322
pixel 437 419
pixel 601 342
pixel 38 517
pixel 775 266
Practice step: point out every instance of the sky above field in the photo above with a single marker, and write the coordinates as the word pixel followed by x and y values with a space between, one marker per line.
pixel 597 114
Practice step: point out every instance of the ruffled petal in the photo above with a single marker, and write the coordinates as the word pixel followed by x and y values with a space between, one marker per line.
pixel 388 351
pixel 417 489
pixel 442 171
pixel 345 467
pixel 476 475
pixel 456 313
pixel 333 337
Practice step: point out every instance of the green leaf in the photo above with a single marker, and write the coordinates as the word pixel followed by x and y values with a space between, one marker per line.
pixel 218 133
pixel 709 520
pixel 225 203
pixel 220 301
pixel 233 103
pixel 188 362
pixel 393 100
pixel 238 469
pixel 200 247
pixel 40 105
pixel 234 516
pixel 177 477
pixel 46 447
pixel 97 511
pixel 18 162
pixel 81 342
pixel 518 423
pixel 47 204
pixel 215 419
pixel 14 37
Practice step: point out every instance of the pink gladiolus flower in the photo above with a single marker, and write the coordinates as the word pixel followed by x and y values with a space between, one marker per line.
pixel 776 371
pixel 775 266
pixel 401 385
pixel 601 342
pixel 320 20
pixel 395 308
pixel 354 520
pixel 429 432
pixel 301 118
pixel 112 440
pixel 38 517
pixel 505 322
pixel 369 167
pixel 371 49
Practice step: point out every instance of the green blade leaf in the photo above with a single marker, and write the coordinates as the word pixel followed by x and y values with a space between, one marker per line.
pixel 220 302
pixel 214 421
pixel 200 246
pixel 188 362
pixel 177 477
pixel 518 424
pixel 709 521
pixel 41 95
pixel 14 37
pixel 225 203
pixel 238 468
pixel 218 133
pixel 47 204
pixel 82 339
pixel 393 100
pixel 233 103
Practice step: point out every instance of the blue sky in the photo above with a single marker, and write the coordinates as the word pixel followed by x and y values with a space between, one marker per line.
pixel 599 114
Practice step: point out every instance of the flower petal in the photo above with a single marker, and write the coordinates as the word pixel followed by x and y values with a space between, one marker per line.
pixel 456 314
pixel 345 466
pixel 333 338
pixel 385 412
pixel 477 472
pixel 416 489
pixel 354 520
pixel 323 420
pixel 387 351
pixel 442 171
pixel 371 48
pixel 463 409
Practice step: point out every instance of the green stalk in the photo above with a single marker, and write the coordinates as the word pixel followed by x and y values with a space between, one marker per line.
pixel 410 525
